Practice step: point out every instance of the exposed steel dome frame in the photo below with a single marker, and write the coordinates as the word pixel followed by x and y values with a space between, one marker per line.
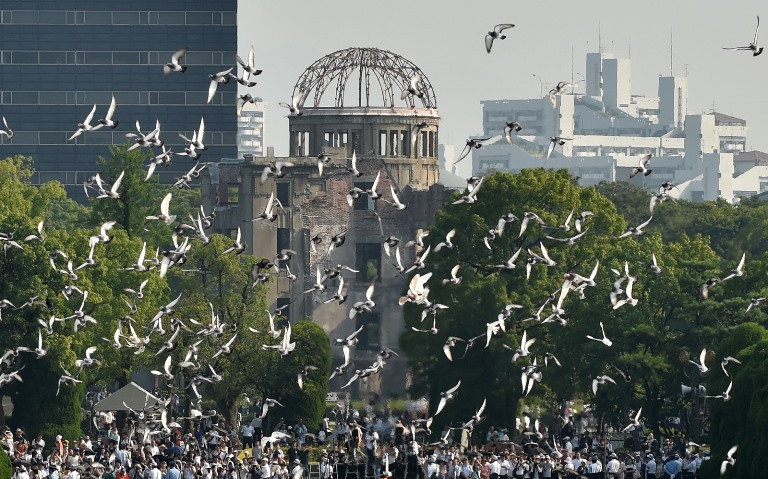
pixel 392 72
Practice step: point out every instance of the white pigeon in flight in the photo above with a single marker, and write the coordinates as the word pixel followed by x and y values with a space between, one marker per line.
pixel 599 381
pixel 446 396
pixel 729 456
pixel 753 46
pixel 701 364
pixel 604 339
pixel 496 34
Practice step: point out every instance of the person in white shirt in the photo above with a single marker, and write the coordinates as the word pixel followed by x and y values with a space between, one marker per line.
pixel 568 445
pixel 523 468
pixel 325 429
pixel 649 468
pixel 432 469
pixel 153 472
pixel 576 462
pixel 494 467
pixel 593 466
pixel 73 473
pixel 297 470
pixel 264 471
pixel 38 443
pixel 326 468
pixel 505 467
pixel 613 467
pixel 247 430
pixel 371 439
pixel 189 472
pixel 21 473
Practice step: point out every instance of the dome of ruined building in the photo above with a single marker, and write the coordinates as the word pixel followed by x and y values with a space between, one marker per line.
pixel 364 77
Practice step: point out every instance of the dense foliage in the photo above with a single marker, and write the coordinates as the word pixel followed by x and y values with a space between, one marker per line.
pixel 210 284
pixel 652 342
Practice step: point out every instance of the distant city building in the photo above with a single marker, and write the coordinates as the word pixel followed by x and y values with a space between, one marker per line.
pixel 609 129
pixel 59 58
pixel 250 130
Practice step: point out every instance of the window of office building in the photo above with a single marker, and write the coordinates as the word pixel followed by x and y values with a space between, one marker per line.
pixel 125 18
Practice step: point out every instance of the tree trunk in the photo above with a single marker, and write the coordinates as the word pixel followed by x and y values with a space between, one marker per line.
pixel 122 381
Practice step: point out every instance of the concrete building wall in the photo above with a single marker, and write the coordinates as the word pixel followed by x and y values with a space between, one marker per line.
pixel 699 139
pixel 594 75
pixel 317 205
pixel 718 176
pixel 536 115
pixel 645 108
pixel 597 145
pixel 386 134
pixel 564 121
pixel 502 157
pixel 731 138
pixel 616 82
pixel 673 101
pixel 446 156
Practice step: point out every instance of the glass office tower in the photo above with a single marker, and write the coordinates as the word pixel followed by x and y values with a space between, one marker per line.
pixel 59 58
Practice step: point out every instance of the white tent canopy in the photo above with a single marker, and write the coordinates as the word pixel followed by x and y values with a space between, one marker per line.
pixel 131 396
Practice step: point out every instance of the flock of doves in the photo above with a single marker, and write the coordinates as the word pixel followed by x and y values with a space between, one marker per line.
pixel 156 415
pixel 165 328
pixel 620 295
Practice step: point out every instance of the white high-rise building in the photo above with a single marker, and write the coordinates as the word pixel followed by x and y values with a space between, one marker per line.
pixel 250 130
pixel 616 82
pixel 609 129
pixel 673 101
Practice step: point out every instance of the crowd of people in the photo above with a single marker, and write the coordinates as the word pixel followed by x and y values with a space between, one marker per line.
pixel 351 447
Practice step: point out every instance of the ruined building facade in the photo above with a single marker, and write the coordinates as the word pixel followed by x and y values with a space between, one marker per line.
pixel 397 143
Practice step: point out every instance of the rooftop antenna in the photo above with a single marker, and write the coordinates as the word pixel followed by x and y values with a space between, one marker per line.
pixel 670 50
pixel 629 53
pixel 571 65
pixel 599 40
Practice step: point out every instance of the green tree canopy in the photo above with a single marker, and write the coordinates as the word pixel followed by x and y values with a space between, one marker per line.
pixel 651 342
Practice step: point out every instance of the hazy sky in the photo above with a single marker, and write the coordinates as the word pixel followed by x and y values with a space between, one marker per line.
pixel 445 39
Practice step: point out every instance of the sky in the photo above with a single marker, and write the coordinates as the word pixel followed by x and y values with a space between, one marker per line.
pixel 445 39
